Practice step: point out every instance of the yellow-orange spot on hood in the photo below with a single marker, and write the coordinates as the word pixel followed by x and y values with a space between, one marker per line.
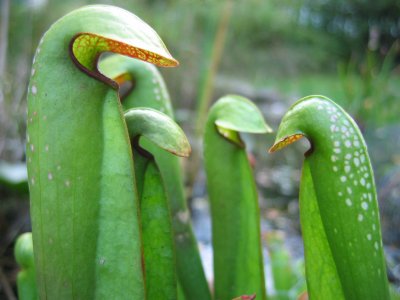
pixel 285 141
pixel 87 46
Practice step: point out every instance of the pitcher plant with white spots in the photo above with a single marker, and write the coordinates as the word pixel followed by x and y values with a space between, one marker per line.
pixel 338 203
pixel 109 214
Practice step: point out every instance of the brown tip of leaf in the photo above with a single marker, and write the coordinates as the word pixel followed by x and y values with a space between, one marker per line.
pixel 246 297
pixel 285 141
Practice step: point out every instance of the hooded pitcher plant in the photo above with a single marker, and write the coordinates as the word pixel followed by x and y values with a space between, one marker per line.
pixel 158 244
pixel 84 202
pixel 146 88
pixel 236 237
pixel 338 204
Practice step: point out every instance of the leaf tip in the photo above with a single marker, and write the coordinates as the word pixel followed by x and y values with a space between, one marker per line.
pixel 184 150
pixel 268 129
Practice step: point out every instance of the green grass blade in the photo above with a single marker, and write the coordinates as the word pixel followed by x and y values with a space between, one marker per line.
pixel 283 269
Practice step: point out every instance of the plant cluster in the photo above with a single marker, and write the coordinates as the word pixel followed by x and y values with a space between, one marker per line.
pixel 109 216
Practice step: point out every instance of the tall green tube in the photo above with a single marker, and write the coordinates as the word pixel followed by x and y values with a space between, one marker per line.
pixel 238 261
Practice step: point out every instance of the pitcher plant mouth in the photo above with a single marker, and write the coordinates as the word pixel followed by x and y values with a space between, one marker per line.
pixel 85 49
pixel 285 141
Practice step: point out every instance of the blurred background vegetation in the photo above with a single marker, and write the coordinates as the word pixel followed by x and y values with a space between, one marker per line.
pixel 272 51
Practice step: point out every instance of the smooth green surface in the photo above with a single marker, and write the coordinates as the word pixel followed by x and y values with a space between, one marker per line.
pixel 238 262
pixel 158 243
pixel 23 252
pixel 321 272
pixel 84 203
pixel 150 91
pixel 345 194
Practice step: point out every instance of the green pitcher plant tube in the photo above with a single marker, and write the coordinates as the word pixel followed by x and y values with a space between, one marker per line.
pixel 84 203
pixel 26 276
pixel 149 90
pixel 158 244
pixel 236 237
pixel 338 204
